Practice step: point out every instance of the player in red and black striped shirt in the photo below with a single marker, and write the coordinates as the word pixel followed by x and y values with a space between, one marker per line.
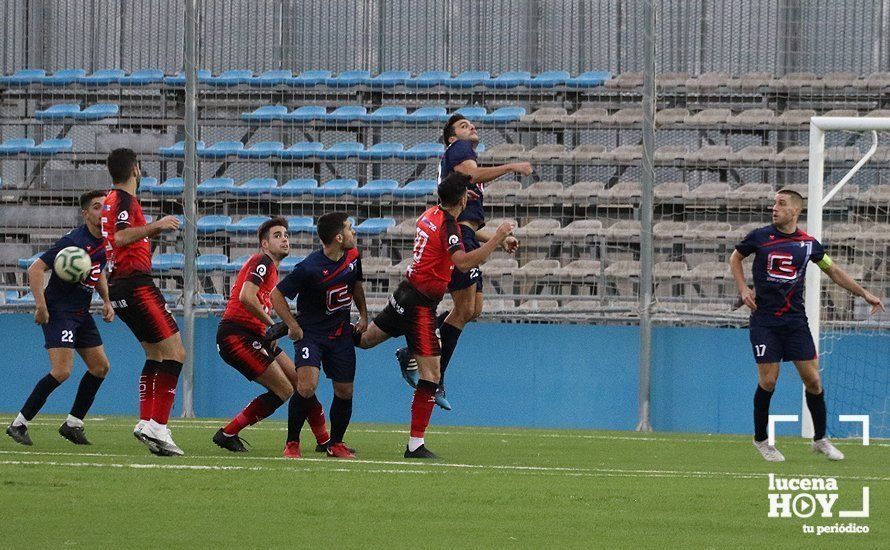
pixel 412 307
pixel 139 303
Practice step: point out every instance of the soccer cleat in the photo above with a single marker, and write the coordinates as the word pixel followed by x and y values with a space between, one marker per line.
pixel 162 440
pixel 229 442
pixel 769 452
pixel 824 446
pixel 441 400
pixel 137 433
pixel 292 450
pixel 408 365
pixel 323 447
pixel 19 434
pixel 420 452
pixel 339 450
pixel 74 434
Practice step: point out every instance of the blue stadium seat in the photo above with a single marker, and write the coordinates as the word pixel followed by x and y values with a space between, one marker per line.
pixel 504 114
pixel 335 188
pixel 472 113
pixel 374 226
pixel 102 77
pixel 215 186
pixel 590 79
pixel 221 149
pixel 232 77
pixel 426 115
pixel 143 77
pixel 376 188
pixel 303 150
pixel 389 79
pixel 300 224
pixel 346 113
pixel 468 79
pixel 58 112
pixel 98 111
pixel 213 223
pixel 287 264
pixel 342 150
pixel 307 79
pixel 235 265
pixel 548 79
pixel 25 263
pixel 51 147
pixel 262 150
pixel 15 146
pixel 177 150
pixel 23 77
pixel 210 299
pixel 168 261
pixel 266 113
pixel 211 262
pixel 10 296
pixel 416 188
pixel 173 186
pixel 148 184
pixel 428 79
pixel 295 187
pixel 508 79
pixel 306 113
pixel 179 78
pixel 248 224
pixel 255 187
pixel 275 77
pixel 172 298
pixel 348 78
pixel 65 77
pixel 385 150
pixel 27 299
pixel 387 113
pixel 423 151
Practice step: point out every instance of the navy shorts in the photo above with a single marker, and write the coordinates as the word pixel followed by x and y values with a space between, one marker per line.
pixel 782 343
pixel 335 355
pixel 459 279
pixel 67 329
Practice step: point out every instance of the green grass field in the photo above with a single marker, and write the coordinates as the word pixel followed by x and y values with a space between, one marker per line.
pixel 494 487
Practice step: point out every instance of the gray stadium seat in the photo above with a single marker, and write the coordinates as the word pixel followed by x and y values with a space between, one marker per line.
pixel 503 153
pixel 753 117
pixel 795 117
pixel 796 81
pixel 840 80
pixel 708 231
pixel 713 154
pixel 545 152
pixel 545 115
pixel 502 191
pixel 626 81
pixel 541 192
pixel 797 154
pixel 587 153
pixel 583 192
pixel 674 115
pixel 580 230
pixel 629 116
pixel 750 81
pixel 707 81
pixel 757 153
pixel 586 116
pixel 708 192
pixel 669 230
pixel 625 154
pixel 624 230
pixel 671 153
pixel 710 117
pixel 538 228
pixel 671 190
pixel 624 191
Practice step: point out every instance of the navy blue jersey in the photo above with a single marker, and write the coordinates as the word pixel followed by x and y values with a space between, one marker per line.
pixel 780 267
pixel 456 153
pixel 324 289
pixel 62 296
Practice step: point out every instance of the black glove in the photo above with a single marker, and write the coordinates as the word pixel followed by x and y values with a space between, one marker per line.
pixel 276 331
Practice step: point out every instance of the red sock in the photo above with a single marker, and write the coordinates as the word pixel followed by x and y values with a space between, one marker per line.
pixel 315 418
pixel 146 388
pixel 422 407
pixel 164 394
pixel 258 409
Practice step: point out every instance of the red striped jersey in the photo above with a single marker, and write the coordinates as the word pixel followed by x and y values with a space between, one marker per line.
pixel 123 211
pixel 260 270
pixel 437 237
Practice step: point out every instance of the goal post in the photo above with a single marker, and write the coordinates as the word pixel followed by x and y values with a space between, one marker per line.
pixel 816 201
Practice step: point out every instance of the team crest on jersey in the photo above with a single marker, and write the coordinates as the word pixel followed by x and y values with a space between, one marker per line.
pixel 260 271
pixel 256 345
pixel 123 216
pixel 453 240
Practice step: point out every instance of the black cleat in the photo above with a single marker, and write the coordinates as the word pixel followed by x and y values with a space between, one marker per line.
pixel 323 448
pixel 74 434
pixel 19 434
pixel 420 452
pixel 229 442
pixel 408 366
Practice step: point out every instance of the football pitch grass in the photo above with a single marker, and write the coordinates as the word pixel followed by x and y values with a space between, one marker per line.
pixel 493 487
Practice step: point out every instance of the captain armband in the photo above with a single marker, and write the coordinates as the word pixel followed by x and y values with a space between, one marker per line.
pixel 825 262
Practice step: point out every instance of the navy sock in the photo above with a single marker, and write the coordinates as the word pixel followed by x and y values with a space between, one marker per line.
pixel 86 393
pixel 816 404
pixel 297 411
pixel 41 391
pixel 761 412
pixel 341 413
pixel 450 334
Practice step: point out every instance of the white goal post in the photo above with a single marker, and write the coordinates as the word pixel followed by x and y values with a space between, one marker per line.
pixel 816 200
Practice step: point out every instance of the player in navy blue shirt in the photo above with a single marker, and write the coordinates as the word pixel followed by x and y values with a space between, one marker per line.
pixel 63 312
pixel 779 329
pixel 325 284
pixel 461 138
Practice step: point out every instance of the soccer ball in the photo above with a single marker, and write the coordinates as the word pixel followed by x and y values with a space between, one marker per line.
pixel 72 264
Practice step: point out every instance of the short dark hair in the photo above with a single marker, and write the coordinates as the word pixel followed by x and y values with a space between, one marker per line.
pixel 88 197
pixel 792 193
pixel 120 164
pixel 448 131
pixel 453 188
pixel 330 225
pixel 263 232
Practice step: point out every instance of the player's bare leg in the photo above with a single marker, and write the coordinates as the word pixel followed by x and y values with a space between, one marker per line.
pixel 422 406
pixel 97 368
pixel 157 392
pixel 301 404
pixel 767 375
pixel 61 362
pixel 815 395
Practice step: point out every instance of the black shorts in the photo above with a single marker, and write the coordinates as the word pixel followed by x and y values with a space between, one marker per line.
pixel 459 279
pixel 412 314
pixel 335 355
pixel 782 343
pixel 67 329
pixel 139 304
pixel 244 349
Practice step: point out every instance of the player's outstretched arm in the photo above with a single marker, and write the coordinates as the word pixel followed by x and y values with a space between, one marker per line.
pixel 279 304
pixel 843 279
pixel 358 296
pixel 37 280
pixel 130 235
pixel 465 261
pixel 738 273
pixel 102 289
pixel 248 297
pixel 485 174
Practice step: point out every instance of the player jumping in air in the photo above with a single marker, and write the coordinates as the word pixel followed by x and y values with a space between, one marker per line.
pixel 779 329
pixel 63 312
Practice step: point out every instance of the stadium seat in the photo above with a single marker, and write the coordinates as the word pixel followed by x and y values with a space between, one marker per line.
pixel 583 192
pixel 51 147
pixel 306 113
pixel 545 152
pixel 589 79
pixel 266 113
pixel 544 115
pixel 629 116
pixel 707 81
pixel 374 226
pixel 247 224
pixel 308 79
pixel 404 230
pixel 795 117
pixel 215 186
pixel 548 79
pixel 295 187
pixel 426 115
pixel 672 190
pixel 211 262
pixel 275 77
pixel 587 153
pixel 388 79
pixel 710 117
pixel 179 78
pixel 27 299
pixel 708 231
pixel 335 188
pixel 671 153
pixel 674 115
pixel 586 116
pixel 254 187
pixel 537 269
pixel 624 81
pixel 348 78
pixel 209 299
pixel 300 224
pixel 65 77
pixel 710 191
pixel 58 112
pixel 580 230
pixel 375 265
pixel 387 113
pixel 177 150
pixel 383 150
pixel 262 150
pixel 102 77
pixel 415 189
pixel 508 79
pixel 346 113
pixel 797 154
pixel 428 79
pixel 23 77
pixel 342 150
pixel 221 149
pixel 467 79
pixel 502 191
pixel 503 152
pixel 473 113
pixel 541 192
pixel 25 263
pixel 288 263
pixel 172 186
pixel 168 261
pixel 753 117
pixel 623 230
pixel 504 114
pixel 213 223
pixel 142 77
pixel 538 228
pixel 235 265
pixel 713 154
pixel 423 151
pixel 376 189
pixel 231 77
pixel 98 111
pixel 669 230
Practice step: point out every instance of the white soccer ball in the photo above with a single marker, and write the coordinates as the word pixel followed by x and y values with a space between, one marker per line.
pixel 72 264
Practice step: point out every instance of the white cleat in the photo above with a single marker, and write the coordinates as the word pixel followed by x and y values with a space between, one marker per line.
pixel 140 436
pixel 769 452
pixel 159 441
pixel 825 447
